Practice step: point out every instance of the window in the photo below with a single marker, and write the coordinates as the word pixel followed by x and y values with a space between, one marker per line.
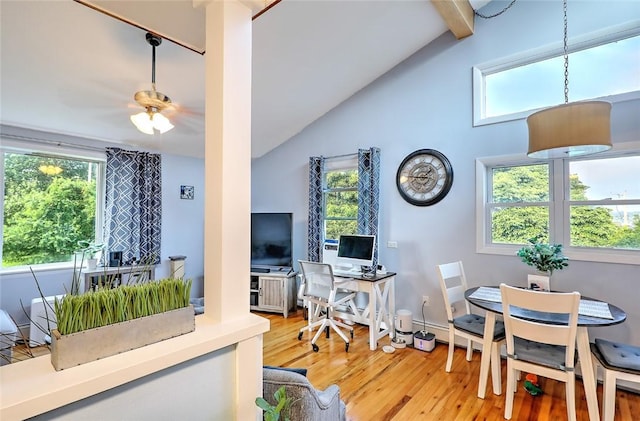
pixel 590 205
pixel 519 205
pixel 599 67
pixel 340 198
pixel 604 203
pixel 49 204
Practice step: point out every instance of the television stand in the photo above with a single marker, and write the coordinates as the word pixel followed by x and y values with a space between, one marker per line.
pixel 273 291
pixel 260 270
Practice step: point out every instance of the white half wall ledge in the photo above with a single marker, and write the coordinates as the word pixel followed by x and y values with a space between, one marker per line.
pixel 33 387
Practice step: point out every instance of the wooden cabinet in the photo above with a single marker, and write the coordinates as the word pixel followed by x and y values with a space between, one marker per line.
pixel 273 292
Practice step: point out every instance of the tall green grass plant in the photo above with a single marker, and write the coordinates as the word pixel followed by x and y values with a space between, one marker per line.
pixel 105 306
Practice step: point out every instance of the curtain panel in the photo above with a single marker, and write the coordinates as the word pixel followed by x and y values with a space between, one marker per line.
pixel 369 194
pixel 316 205
pixel 133 205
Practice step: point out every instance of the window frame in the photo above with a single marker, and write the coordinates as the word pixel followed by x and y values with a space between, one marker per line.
pixel 348 162
pixel 65 152
pixel 559 227
pixel 584 42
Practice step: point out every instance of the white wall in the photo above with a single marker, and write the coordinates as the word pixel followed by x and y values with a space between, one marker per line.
pixel 182 219
pixel 426 102
pixel 150 398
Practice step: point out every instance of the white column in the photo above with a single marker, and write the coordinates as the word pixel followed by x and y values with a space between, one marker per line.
pixel 227 160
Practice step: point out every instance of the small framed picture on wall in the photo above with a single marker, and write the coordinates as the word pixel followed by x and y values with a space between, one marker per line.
pixel 187 192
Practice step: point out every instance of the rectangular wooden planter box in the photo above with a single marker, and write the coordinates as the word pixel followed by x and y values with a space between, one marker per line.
pixel 93 344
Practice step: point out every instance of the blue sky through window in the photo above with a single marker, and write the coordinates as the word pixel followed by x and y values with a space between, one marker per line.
pixel 608 69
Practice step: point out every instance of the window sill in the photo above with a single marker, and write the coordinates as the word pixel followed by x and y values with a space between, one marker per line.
pixel 626 257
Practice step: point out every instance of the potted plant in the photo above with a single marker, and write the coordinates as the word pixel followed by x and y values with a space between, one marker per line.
pixel 107 321
pixel 89 250
pixel 545 258
pixel 273 412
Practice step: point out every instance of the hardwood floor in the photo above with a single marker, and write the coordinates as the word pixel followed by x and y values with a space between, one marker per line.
pixel 410 384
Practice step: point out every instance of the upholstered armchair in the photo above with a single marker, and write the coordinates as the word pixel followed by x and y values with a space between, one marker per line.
pixel 308 402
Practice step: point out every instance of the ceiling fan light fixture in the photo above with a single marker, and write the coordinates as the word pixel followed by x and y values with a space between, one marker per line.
pixel 153 101
pixel 151 119
pixel 161 123
pixel 143 122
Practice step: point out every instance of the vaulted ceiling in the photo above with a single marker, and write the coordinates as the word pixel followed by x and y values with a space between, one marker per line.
pixel 67 68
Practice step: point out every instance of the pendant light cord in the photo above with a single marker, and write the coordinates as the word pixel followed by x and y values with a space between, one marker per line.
pixel 495 14
pixel 566 57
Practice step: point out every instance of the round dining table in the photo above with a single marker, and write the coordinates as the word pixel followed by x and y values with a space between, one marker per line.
pixel 494 308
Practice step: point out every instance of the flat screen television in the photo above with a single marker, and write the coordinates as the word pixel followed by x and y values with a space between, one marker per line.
pixel 271 241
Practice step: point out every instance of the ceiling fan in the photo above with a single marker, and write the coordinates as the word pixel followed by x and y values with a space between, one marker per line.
pixel 152 101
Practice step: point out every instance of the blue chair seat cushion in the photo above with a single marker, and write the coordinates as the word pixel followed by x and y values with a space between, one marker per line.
pixel 302 371
pixel 474 324
pixel 540 353
pixel 618 355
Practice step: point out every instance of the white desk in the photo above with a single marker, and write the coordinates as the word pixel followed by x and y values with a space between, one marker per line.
pixel 378 314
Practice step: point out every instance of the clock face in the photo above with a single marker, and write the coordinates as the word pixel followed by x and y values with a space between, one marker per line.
pixel 424 177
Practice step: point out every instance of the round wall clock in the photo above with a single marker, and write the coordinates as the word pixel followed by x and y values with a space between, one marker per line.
pixel 424 177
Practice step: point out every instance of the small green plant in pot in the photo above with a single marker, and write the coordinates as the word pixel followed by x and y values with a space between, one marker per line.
pixel 273 412
pixel 89 250
pixel 543 256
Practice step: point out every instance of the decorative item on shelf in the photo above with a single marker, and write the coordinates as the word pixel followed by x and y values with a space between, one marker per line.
pixel 89 251
pixel 110 321
pixel 545 258
pixel 570 129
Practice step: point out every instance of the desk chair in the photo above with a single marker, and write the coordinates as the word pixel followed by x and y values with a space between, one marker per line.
pixel 545 349
pixel 468 325
pixel 320 292
pixel 619 362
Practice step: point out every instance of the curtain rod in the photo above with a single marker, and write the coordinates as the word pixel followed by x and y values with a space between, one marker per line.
pixel 58 143
pixel 348 155
pixel 51 142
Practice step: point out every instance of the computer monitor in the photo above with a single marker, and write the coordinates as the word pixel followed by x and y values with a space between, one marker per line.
pixel 355 251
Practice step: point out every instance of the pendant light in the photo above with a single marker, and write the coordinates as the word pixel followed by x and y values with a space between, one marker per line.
pixel 152 101
pixel 571 129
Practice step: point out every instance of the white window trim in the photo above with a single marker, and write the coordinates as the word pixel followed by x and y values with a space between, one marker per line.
pixel 605 36
pixel 558 231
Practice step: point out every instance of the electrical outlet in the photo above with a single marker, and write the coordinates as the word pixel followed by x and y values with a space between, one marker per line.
pixel 425 300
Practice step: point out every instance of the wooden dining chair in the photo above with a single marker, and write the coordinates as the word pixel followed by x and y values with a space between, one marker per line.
pixel 548 350
pixel 619 362
pixel 467 325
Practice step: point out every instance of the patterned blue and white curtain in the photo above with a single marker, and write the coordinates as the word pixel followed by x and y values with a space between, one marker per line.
pixel 133 206
pixel 369 193
pixel 316 205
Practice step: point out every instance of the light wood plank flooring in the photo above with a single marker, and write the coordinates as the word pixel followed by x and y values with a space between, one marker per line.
pixel 411 384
